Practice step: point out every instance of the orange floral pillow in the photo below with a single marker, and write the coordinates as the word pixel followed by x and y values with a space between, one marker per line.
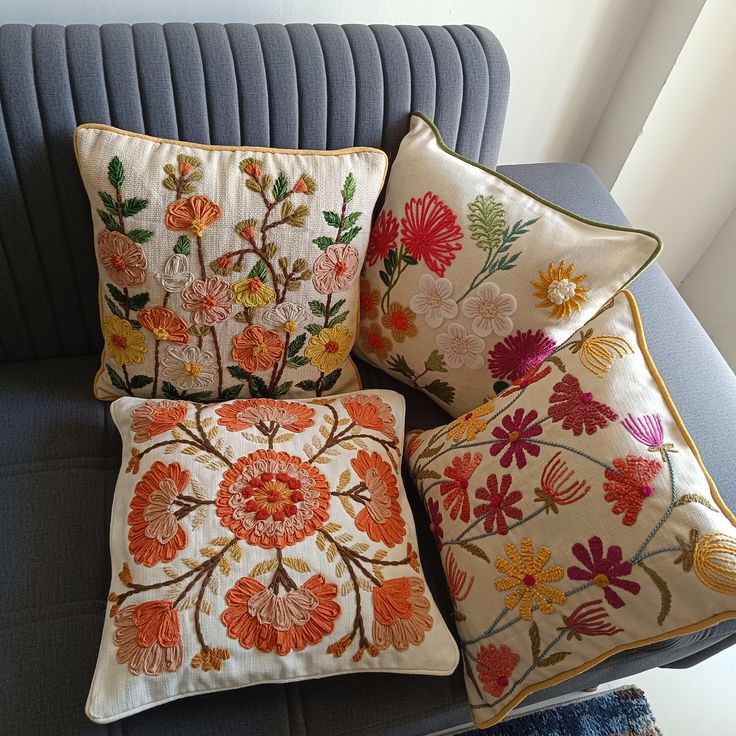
pixel 261 540
pixel 226 272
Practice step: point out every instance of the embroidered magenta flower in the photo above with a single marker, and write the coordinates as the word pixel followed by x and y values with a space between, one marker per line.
pixel 429 232
pixel 495 666
pixel 520 353
pixel 514 438
pixel 500 504
pixel 576 409
pixel 629 484
pixel 435 521
pixel 383 237
pixel 335 269
pixel 607 570
pixel 649 431
pixel 209 300
pixel 588 619
pixel 455 490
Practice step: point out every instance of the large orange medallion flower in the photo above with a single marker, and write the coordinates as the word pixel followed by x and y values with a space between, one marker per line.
pixel 380 518
pixel 256 349
pixel 148 638
pixel 284 621
pixel 164 324
pixel 124 260
pixel 246 413
pixel 401 613
pixel 156 417
pixel 273 499
pixel 371 412
pixel 195 214
pixel 155 534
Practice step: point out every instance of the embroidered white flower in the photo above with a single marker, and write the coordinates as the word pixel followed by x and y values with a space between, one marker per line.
pixel 460 348
pixel 176 275
pixel 490 310
pixel 558 292
pixel 434 300
pixel 189 366
pixel 286 317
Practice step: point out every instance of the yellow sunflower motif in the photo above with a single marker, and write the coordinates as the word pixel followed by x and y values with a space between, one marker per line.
pixel 527 579
pixel 559 290
pixel 253 292
pixel 123 343
pixel 329 347
pixel 468 425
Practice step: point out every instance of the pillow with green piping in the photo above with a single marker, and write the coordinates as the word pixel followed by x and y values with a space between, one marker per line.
pixel 471 280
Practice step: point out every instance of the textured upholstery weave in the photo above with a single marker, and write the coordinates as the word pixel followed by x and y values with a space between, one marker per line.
pixel 295 86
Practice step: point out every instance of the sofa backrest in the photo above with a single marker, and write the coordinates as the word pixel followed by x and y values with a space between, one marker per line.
pixel 294 86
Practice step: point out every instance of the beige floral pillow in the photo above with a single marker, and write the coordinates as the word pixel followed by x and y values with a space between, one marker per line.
pixel 574 517
pixel 261 540
pixel 471 280
pixel 226 272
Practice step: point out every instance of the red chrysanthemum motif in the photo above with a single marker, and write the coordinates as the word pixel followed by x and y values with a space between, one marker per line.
pixel 518 354
pixel 630 484
pixel 500 503
pixel 495 666
pixel 429 232
pixel 576 409
pixel 455 491
pixel 273 499
pixel 383 237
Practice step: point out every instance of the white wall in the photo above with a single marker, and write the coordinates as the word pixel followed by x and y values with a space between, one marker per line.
pixel 565 56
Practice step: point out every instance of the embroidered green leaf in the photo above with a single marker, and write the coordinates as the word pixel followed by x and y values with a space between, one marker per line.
pixel 258 271
pixel 108 221
pixel 314 329
pixel 280 186
pixel 349 235
pixel 297 361
pixel 298 217
pixel 116 379
pixel 199 396
pixel 259 388
pixel 323 242
pixel 535 641
pixel 283 389
pixel 238 373
pixel 336 307
pixel 428 474
pixel 664 591
pixel 140 381
pixel 351 219
pixel 117 295
pixel 183 245
pixel 475 550
pixel 331 379
pixel 390 261
pixel 441 389
pixel 115 172
pixel 695 498
pixel 338 319
pixel 686 557
pixel 318 309
pixel 520 228
pixel 231 392
pixel 169 391
pixel 398 364
pixel 109 203
pixel 406 258
pixel 436 362
pixel 135 324
pixel 430 451
pixel 296 345
pixel 348 188
pixel 138 301
pixel 505 263
pixel 332 218
pixel 307 385
pixel 114 307
pixel 385 278
pixel 133 206
pixel 487 220
pixel 140 236
pixel 553 659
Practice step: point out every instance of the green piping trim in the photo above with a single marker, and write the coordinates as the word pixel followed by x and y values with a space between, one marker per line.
pixel 443 146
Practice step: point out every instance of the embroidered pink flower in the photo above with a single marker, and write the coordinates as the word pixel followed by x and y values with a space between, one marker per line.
pixel 335 269
pixel 124 260
pixel 629 484
pixel 429 232
pixel 606 570
pixel 495 666
pixel 435 521
pixel 500 504
pixel 576 409
pixel 383 237
pixel 649 431
pixel 210 300
pixel 517 354
pixel 455 490
pixel 514 438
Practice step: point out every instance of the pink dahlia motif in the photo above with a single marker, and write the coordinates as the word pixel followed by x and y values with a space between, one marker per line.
pixel 209 300
pixel 383 237
pixel 520 353
pixel 335 269
pixel 514 438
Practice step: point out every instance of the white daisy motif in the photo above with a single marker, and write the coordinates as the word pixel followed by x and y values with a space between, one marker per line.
pixel 460 348
pixel 434 300
pixel 286 317
pixel 490 311
pixel 188 366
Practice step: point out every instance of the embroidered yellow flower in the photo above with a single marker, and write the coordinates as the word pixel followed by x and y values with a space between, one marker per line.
pixel 713 562
pixel 253 292
pixel 559 290
pixel 123 343
pixel 468 425
pixel 597 352
pixel 329 348
pixel 527 579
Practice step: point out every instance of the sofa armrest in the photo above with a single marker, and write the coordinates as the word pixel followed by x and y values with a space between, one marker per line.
pixel 701 383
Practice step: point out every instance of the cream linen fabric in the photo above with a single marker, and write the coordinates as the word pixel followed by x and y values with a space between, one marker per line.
pixel 471 280
pixel 261 541
pixel 226 272
pixel 574 517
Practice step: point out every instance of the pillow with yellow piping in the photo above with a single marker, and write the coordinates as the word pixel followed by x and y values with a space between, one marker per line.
pixel 261 540
pixel 575 518
pixel 471 280
pixel 226 271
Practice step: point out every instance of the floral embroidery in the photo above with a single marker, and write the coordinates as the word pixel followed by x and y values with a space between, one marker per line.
pixel 649 431
pixel 500 504
pixel 559 290
pixel 597 352
pixel 400 321
pixel 369 301
pixel 457 579
pixel 122 342
pixel 576 409
pixel 490 311
pixel 286 317
pixel 335 269
pixel 374 341
pixel 164 324
pixel 401 613
pixel 714 561
pixel 256 349
pixel 514 438
pixel 456 490
pixel 209 301
pixel 124 260
pixel 468 425
pixel 520 353
pixel 329 348
pixel 176 276
pixel 267 414
pixel 460 348
pixel 253 292
pixel 435 521
pixel 194 214
pixel 434 300
pixel 383 237
pixel 588 619
pixel 189 366
pixel 495 666
pixel 371 412
pixel 629 483
pixel 557 486
pixel 156 417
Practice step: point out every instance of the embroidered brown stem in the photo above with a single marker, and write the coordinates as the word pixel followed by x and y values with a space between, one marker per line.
pixel 351 557
pixel 281 577
pixel 216 344
pixel 156 353
pixel 127 379
pixel 278 369
pixel 268 432
pixel 471 675
pixel 336 438
pixel 200 256
pixel 187 508
pixel 318 384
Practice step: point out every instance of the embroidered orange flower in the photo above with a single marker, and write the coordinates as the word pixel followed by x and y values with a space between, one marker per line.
pixel 455 490
pixel 371 412
pixel 246 413
pixel 400 321
pixel 280 622
pixel 629 484
pixel 373 340
pixel 195 214
pixel 256 349
pixel 164 324
pixel 273 499
pixel 401 613
pixel 380 518
pixel 148 638
pixel 495 666
pixel 156 417
pixel 124 260
pixel 369 300
pixel 457 578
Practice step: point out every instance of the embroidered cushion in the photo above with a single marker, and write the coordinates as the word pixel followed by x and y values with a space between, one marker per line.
pixel 226 272
pixel 471 280
pixel 574 517
pixel 261 540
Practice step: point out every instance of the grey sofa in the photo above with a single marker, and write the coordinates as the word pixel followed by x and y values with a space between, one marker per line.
pixel 294 86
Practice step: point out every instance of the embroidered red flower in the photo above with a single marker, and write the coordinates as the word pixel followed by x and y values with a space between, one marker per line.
pixel 246 413
pixel 576 409
pixel 500 504
pixel 401 613
pixel 518 354
pixel 495 666
pixel 429 232
pixel 156 417
pixel 457 578
pixel 455 490
pixel 514 438
pixel 558 487
pixel 383 237
pixel 607 570
pixel 588 619
pixel 435 521
pixel 629 484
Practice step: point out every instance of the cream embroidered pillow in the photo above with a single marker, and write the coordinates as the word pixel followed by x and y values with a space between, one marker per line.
pixel 261 540
pixel 471 280
pixel 226 272
pixel 574 517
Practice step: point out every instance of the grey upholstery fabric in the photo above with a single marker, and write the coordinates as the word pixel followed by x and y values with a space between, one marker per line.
pixel 295 86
